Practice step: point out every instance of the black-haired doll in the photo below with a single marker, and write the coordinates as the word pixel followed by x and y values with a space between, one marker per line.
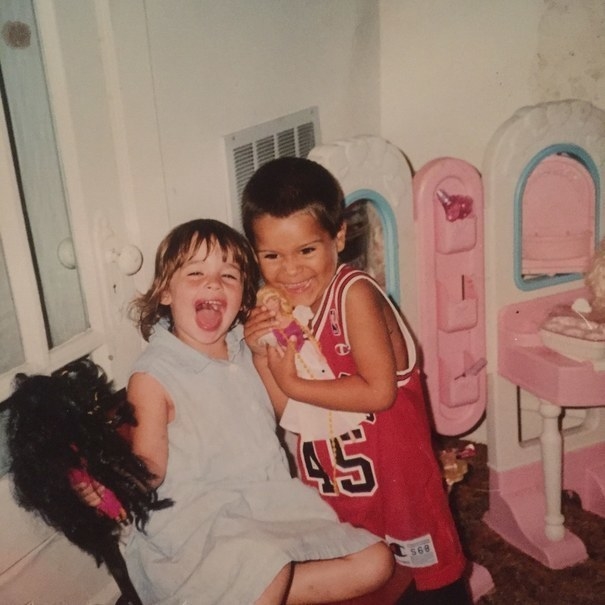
pixel 62 430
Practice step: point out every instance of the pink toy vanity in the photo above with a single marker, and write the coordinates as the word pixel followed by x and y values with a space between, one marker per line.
pixel 542 178
pixel 477 262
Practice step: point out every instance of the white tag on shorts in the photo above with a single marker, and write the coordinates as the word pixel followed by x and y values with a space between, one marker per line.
pixel 418 552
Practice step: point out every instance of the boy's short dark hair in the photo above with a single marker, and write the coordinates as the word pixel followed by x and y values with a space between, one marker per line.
pixel 287 185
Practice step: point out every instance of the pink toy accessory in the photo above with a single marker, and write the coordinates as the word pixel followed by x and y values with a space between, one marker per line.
pixel 109 506
pixel 456 206
pixel 454 463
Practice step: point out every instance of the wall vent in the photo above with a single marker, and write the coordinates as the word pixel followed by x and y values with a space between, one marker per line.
pixel 293 135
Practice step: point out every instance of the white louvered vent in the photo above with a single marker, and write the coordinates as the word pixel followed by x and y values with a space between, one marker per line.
pixel 292 135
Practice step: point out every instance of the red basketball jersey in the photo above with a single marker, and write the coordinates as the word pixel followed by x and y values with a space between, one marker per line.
pixel 386 477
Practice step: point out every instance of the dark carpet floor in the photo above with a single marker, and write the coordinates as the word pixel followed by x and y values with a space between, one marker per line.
pixel 519 579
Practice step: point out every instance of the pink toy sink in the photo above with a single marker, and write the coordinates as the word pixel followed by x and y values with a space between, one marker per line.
pixel 549 374
pixel 573 334
pixel 578 348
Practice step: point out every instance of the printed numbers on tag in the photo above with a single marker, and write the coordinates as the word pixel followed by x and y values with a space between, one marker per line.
pixel 419 552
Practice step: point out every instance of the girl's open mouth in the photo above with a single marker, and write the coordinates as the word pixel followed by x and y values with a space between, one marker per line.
pixel 209 314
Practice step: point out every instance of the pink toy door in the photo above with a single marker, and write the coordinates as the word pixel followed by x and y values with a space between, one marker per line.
pixel 448 212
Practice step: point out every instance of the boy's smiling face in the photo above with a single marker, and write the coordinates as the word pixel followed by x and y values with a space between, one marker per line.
pixel 297 254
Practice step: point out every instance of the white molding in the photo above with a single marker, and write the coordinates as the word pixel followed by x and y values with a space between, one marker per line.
pixel 116 114
pixel 50 45
pixel 19 267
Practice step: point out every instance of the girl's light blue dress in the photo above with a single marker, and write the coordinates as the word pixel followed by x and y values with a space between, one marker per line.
pixel 238 516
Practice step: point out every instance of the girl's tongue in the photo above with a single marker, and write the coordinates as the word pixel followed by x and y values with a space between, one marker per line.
pixel 208 314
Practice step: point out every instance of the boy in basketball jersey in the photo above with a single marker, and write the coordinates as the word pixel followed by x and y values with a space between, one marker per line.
pixel 381 475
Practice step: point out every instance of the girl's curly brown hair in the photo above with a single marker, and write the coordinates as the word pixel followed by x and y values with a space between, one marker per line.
pixel 176 249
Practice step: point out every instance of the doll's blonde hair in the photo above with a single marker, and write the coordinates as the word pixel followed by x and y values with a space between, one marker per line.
pixel 267 292
pixel 595 279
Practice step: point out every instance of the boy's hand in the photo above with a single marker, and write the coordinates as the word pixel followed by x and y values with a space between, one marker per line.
pixel 281 362
pixel 260 322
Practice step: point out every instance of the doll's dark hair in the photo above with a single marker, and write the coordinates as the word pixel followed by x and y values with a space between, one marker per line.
pixel 287 185
pixel 72 420
pixel 176 249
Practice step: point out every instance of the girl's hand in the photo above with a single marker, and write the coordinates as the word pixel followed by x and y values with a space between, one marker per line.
pixel 88 490
pixel 281 362
pixel 96 495
pixel 260 322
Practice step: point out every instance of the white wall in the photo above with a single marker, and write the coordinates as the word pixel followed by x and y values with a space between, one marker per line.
pixel 452 72
pixel 218 67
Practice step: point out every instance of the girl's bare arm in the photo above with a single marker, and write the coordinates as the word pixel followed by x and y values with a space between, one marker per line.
pixel 374 387
pixel 153 411
pixel 149 438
